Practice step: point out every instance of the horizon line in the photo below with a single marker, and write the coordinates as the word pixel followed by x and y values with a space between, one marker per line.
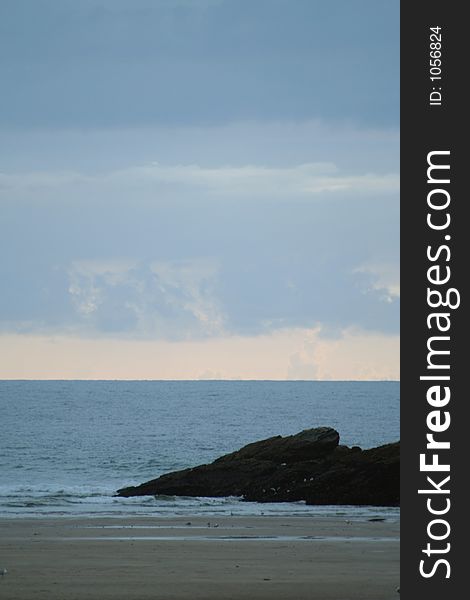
pixel 220 380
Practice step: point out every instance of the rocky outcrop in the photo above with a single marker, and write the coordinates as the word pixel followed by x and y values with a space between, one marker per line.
pixel 308 466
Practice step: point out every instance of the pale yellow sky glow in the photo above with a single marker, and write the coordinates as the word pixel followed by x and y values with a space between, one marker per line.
pixel 286 354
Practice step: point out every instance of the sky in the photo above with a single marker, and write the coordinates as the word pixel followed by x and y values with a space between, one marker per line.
pixel 199 189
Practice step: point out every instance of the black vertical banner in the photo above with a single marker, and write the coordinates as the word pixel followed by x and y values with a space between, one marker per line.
pixel 434 264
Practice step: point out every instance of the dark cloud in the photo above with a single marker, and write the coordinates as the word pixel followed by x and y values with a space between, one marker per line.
pixel 101 63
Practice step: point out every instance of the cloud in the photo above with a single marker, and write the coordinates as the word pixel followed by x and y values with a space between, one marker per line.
pixel 353 354
pixel 243 229
pixel 245 182
pixel 160 299
pixel 383 278
pixel 272 144
pixel 109 63
pixel 210 374
pixel 252 181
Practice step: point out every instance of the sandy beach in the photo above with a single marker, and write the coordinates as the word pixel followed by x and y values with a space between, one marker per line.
pixel 236 558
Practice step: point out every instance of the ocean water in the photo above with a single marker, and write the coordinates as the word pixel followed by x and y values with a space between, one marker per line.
pixel 67 446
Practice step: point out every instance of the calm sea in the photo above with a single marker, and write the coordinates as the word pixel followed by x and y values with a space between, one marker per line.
pixel 67 446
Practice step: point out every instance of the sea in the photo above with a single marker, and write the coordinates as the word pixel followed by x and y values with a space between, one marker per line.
pixel 67 446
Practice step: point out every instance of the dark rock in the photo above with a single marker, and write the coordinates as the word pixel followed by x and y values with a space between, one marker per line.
pixel 307 466
pixel 369 477
pixel 306 445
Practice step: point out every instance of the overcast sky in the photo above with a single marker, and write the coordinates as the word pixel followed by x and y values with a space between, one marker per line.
pixel 199 189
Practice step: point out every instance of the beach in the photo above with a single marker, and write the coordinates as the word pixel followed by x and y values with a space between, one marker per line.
pixel 199 558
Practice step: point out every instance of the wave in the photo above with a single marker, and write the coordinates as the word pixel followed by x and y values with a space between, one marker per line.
pixel 81 500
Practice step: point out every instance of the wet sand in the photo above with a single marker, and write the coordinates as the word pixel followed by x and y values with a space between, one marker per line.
pixel 236 558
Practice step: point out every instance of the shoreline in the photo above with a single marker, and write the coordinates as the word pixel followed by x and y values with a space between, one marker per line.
pixel 218 508
pixel 199 558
